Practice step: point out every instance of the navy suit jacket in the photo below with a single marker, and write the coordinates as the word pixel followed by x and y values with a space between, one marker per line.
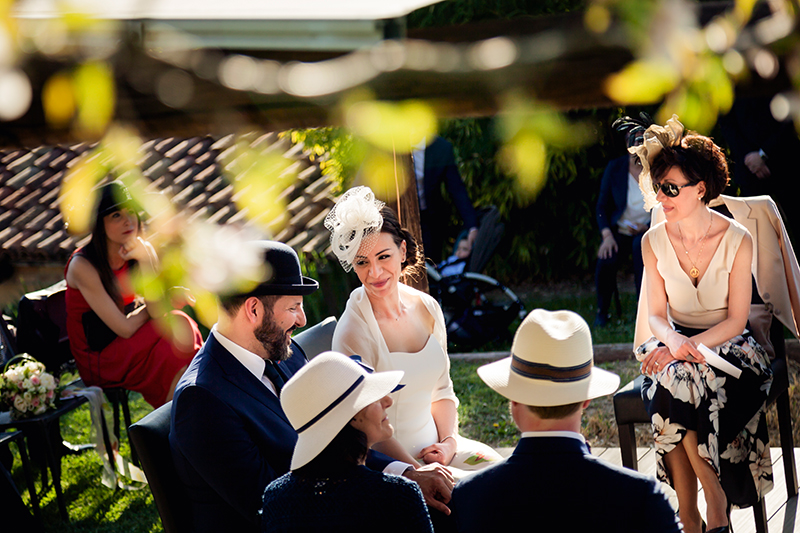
pixel 440 167
pixel 230 438
pixel 613 198
pixel 555 483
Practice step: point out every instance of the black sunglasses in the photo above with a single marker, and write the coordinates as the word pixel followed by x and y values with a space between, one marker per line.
pixel 670 190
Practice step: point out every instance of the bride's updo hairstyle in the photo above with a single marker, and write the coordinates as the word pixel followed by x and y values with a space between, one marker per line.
pixel 699 159
pixel 414 261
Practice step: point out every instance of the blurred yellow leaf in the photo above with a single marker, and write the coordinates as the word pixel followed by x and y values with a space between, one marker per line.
pixel 123 146
pixel 95 94
pixel 597 18
pixel 58 100
pixel 743 9
pixel 205 307
pixel 259 180
pixel 378 172
pixel 526 156
pixel 392 127
pixel 641 82
pixel 77 196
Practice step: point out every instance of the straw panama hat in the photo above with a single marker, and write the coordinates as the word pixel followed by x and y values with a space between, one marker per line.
pixel 324 395
pixel 551 363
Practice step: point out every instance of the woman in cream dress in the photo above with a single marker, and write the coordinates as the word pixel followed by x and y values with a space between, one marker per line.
pixel 395 327
pixel 709 425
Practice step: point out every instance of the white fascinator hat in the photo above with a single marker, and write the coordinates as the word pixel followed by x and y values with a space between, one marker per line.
pixel 355 223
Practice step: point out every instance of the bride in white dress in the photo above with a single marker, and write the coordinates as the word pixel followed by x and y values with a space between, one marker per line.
pixel 392 326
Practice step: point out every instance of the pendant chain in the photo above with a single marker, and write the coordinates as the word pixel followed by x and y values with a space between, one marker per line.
pixel 695 272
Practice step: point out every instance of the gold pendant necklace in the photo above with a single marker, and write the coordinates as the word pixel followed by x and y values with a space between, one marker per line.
pixel 695 272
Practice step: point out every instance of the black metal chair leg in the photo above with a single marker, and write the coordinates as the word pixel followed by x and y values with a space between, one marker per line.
pixel 28 471
pixel 627 446
pixel 760 515
pixel 126 414
pixel 787 443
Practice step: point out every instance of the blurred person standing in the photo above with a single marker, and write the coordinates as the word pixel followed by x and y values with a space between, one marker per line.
pixel 622 220
pixel 434 166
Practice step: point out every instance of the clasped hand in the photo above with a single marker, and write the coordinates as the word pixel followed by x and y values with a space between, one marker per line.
pixel 439 452
pixel 139 250
pixel 681 348
pixel 436 483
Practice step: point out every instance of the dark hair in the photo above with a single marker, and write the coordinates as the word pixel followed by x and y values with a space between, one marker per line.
pixel 348 447
pixel 96 252
pixel 699 159
pixel 231 304
pixel 555 411
pixel 414 261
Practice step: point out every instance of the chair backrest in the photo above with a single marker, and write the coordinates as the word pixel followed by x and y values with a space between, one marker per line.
pixel 150 437
pixel 42 326
pixel 318 338
pixel 7 342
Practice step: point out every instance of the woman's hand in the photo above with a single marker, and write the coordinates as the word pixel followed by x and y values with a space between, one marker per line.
pixel 141 251
pixel 657 360
pixel 440 452
pixel 180 297
pixel 683 348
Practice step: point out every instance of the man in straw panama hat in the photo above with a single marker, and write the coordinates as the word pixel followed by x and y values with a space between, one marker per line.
pixel 339 408
pixel 552 478
pixel 229 434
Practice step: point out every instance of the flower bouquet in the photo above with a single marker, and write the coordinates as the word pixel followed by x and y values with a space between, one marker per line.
pixel 25 388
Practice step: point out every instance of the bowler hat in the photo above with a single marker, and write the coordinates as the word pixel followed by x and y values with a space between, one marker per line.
pixel 551 363
pixel 285 277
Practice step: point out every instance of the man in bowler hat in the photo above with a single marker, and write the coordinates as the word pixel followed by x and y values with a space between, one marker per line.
pixel 552 479
pixel 229 435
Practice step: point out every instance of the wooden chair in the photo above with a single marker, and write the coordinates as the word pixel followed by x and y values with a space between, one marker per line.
pixel 629 408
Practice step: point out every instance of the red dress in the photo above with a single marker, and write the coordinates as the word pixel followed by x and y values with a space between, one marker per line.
pixel 147 362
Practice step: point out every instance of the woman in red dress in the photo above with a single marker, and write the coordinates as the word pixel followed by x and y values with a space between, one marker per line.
pixel 113 336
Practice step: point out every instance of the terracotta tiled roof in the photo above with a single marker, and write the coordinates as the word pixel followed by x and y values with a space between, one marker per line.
pixel 187 170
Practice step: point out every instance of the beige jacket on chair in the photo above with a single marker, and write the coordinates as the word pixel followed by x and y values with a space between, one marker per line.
pixel 775 268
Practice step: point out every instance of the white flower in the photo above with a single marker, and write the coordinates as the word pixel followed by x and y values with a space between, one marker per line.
pixel 684 381
pixel 737 450
pixel 48 381
pixel 20 404
pixel 666 434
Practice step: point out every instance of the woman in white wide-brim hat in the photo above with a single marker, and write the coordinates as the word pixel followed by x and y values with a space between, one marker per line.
pixel 338 408
pixel 396 327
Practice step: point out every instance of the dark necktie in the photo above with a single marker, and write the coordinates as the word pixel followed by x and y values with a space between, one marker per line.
pixel 274 375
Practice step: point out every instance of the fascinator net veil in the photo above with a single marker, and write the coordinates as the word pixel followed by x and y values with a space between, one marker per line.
pixel 355 223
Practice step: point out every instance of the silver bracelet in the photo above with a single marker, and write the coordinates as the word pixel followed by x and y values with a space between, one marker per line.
pixel 447 437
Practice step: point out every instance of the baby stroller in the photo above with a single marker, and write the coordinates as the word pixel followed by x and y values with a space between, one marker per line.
pixel 477 309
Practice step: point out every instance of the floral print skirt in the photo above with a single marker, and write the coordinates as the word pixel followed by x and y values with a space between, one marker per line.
pixel 728 415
